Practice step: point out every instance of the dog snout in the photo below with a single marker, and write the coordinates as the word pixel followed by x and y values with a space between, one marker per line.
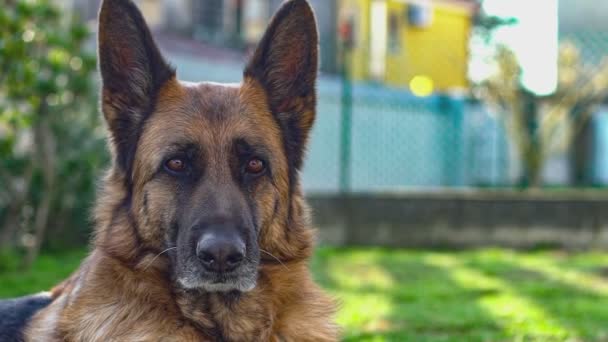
pixel 221 250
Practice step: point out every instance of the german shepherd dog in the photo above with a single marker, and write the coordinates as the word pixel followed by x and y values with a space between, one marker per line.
pixel 202 233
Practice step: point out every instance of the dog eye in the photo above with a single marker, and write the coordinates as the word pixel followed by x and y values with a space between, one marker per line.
pixel 255 166
pixel 176 165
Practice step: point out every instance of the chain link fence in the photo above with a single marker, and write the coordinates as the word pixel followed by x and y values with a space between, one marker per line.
pixel 396 140
pixel 402 142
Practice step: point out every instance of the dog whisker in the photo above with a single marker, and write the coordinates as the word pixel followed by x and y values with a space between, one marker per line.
pixel 157 255
pixel 277 259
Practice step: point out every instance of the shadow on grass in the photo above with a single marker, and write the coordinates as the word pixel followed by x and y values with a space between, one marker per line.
pixel 583 312
pixel 397 296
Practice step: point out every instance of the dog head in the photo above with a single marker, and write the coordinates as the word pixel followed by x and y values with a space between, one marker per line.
pixel 210 170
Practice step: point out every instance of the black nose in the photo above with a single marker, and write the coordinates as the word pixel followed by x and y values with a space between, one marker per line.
pixel 220 253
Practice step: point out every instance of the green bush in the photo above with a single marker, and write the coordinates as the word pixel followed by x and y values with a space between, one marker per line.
pixel 51 144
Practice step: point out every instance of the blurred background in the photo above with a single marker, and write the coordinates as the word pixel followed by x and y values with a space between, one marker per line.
pixel 458 167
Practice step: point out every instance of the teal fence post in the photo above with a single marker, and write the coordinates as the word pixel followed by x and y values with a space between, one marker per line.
pixel 346 122
pixel 453 154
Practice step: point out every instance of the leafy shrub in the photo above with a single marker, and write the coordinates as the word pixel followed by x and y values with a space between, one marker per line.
pixel 51 141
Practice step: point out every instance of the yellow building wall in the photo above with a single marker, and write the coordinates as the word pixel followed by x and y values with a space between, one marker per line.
pixel 438 51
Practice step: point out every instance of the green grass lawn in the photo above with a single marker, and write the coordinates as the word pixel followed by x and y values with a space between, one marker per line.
pixel 404 295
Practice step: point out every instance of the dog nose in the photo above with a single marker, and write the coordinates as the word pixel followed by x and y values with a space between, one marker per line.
pixel 219 253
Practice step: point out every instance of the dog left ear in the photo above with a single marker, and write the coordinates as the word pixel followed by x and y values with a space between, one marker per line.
pixel 286 64
pixel 132 70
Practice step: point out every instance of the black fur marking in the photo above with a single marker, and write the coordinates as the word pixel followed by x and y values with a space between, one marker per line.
pixel 145 204
pixel 16 313
pixel 173 233
pixel 275 208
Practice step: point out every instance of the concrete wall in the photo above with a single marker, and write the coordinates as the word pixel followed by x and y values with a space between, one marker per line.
pixel 464 219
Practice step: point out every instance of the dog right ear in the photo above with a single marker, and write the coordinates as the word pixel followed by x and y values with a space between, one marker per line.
pixel 285 63
pixel 132 71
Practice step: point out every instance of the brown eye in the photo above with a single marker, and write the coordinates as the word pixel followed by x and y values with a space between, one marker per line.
pixel 255 166
pixel 176 165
